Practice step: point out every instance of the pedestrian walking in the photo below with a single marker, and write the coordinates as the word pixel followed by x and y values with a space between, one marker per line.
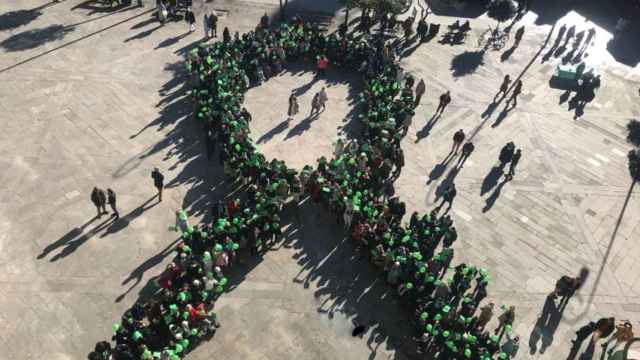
pixel 624 333
pixel 205 23
pixel 190 18
pixel 449 195
pixel 315 104
pixel 467 149
pixel 323 99
pixel 99 199
pixel 445 99
pixel 111 199
pixel 516 92
pixel 584 332
pixel 566 286
pixel 506 153
pixel 293 107
pixel 514 163
pixel 163 13
pixel 504 87
pixel 604 328
pixel 458 138
pixel 421 88
pixel 213 24
pixel 158 182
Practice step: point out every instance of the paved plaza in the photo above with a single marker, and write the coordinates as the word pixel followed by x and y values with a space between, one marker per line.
pixel 90 97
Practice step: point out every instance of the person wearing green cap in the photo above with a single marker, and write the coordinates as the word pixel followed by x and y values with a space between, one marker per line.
pixel 182 222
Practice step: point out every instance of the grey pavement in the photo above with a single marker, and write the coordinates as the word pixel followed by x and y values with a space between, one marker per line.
pixel 99 98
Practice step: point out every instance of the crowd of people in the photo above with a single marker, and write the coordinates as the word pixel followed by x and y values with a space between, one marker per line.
pixel 356 185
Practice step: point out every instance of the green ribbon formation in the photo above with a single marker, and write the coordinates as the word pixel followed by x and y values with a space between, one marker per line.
pixel 353 183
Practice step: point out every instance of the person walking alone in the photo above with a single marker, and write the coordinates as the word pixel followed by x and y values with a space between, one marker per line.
pixel 293 107
pixel 190 18
pixel 158 182
pixel 205 23
pixel 445 99
pixel 514 163
pixel 458 138
pixel 213 24
pixel 323 99
pixel 111 199
pixel 315 104
pixel 99 199
pixel 421 88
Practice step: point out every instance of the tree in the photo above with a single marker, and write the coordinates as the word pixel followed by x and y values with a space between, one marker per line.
pixel 501 11
pixel 633 136
pixel 634 164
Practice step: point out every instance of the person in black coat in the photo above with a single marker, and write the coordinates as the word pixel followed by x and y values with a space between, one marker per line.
pixel 158 182
pixel 190 18
pixel 111 200
pixel 99 199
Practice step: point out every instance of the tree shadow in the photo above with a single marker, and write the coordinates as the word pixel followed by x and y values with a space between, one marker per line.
pixel 34 38
pixel 95 6
pixel 625 48
pixel 470 9
pixel 491 200
pixel 138 273
pixel 466 63
pixel 14 19
pixel 491 179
